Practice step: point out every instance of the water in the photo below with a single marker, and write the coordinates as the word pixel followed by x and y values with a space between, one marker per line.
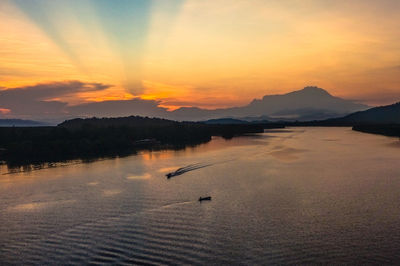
pixel 295 196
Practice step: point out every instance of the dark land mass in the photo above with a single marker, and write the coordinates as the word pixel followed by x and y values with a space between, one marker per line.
pixel 392 130
pixel 383 115
pixel 108 137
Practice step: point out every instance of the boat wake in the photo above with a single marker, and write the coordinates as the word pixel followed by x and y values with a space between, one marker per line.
pixel 192 167
pixel 188 168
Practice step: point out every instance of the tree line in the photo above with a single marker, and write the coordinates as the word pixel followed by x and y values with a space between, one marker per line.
pixel 104 137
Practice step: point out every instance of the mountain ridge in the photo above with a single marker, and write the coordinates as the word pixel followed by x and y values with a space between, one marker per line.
pixel 311 98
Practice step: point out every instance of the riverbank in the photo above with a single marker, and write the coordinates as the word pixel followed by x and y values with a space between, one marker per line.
pixel 107 137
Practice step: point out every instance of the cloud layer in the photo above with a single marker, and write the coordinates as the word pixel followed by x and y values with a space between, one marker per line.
pixel 42 101
pixel 208 54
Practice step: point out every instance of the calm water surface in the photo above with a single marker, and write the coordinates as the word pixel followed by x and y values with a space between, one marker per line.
pixel 301 195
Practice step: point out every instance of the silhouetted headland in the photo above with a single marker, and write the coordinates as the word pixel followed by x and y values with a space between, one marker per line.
pixel 107 137
pixel 392 130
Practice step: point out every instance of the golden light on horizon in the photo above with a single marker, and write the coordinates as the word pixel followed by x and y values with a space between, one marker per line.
pixel 208 54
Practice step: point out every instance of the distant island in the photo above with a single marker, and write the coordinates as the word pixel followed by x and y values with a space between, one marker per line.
pixel 108 137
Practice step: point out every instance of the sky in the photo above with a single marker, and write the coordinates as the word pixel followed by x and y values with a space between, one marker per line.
pixel 202 53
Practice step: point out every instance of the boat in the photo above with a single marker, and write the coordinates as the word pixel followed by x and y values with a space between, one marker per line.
pixel 204 198
pixel 175 173
pixel 169 175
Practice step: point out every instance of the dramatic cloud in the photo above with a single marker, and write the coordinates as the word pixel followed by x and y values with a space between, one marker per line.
pixel 205 53
pixel 4 111
pixel 42 92
pixel 39 102
pixel 36 101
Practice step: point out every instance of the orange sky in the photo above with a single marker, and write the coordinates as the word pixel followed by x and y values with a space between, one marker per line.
pixel 209 53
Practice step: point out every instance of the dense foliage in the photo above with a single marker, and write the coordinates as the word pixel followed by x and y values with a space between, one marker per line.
pixel 88 138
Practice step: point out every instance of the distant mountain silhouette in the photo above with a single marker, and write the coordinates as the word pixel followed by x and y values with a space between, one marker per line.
pixel 225 121
pixel 310 103
pixel 20 123
pixel 389 114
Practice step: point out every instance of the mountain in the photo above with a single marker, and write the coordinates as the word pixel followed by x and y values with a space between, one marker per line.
pixel 21 123
pixel 309 103
pixel 389 114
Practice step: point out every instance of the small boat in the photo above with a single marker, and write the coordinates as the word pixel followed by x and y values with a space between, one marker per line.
pixel 204 198
pixel 175 173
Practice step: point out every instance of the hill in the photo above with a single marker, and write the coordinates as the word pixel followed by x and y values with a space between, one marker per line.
pixel 389 114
